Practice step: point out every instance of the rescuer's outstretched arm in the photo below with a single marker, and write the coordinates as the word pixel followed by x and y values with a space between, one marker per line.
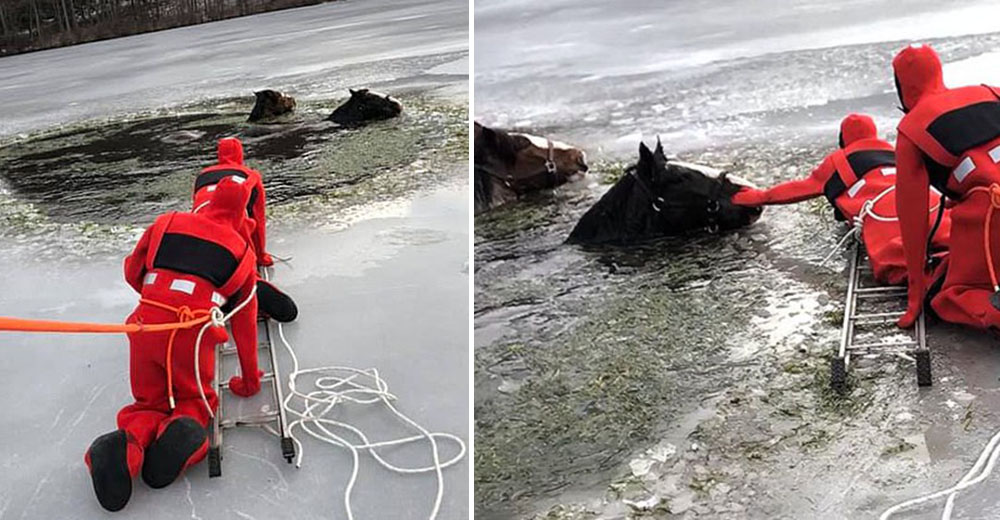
pixel 912 185
pixel 788 192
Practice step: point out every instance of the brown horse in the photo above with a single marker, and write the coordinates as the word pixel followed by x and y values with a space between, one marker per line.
pixel 270 104
pixel 511 164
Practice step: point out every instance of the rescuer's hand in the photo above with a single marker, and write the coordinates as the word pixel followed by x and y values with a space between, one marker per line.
pixel 245 388
pixel 750 197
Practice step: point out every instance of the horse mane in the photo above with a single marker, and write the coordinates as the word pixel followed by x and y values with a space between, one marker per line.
pixel 505 147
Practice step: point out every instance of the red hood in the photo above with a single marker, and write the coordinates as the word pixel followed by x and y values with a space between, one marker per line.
pixel 229 203
pixel 230 151
pixel 856 127
pixel 918 73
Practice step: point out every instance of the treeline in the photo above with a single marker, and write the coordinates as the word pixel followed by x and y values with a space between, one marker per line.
pixel 27 25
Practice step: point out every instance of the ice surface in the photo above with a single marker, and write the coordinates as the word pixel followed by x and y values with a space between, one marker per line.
pixel 387 289
pixel 604 74
pixel 295 50
pixel 385 297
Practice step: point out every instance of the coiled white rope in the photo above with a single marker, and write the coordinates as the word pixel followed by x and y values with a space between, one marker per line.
pixel 987 458
pixel 984 467
pixel 335 385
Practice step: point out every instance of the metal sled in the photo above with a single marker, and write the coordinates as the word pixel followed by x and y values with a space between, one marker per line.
pixel 870 315
pixel 270 418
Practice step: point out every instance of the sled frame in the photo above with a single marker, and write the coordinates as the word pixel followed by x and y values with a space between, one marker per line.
pixel 863 293
pixel 274 421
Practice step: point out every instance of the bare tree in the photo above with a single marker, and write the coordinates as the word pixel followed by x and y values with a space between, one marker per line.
pixel 37 24
pixel 3 22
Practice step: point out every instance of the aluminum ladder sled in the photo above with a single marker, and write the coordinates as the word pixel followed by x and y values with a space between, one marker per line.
pixel 269 417
pixel 869 328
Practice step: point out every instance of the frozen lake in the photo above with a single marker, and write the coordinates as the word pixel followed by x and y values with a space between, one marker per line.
pixel 603 75
pixel 390 292
pixel 381 280
pixel 310 52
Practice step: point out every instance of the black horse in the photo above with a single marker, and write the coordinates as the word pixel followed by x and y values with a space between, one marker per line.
pixel 364 106
pixel 659 197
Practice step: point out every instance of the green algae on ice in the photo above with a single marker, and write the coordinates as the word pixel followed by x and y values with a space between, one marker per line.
pixel 97 181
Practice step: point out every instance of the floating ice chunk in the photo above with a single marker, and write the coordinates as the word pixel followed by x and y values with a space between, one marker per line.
pixel 962 396
pixel 662 452
pixel 641 467
pixel 646 504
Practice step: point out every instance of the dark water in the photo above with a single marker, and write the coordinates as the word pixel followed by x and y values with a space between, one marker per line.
pixel 584 354
pixel 92 186
pixel 129 171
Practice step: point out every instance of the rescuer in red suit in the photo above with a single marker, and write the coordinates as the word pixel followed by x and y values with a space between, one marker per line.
pixel 230 164
pixel 858 175
pixel 273 302
pixel 949 139
pixel 184 265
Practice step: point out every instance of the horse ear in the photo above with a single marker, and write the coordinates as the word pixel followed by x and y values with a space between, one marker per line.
pixel 353 92
pixel 644 153
pixel 659 146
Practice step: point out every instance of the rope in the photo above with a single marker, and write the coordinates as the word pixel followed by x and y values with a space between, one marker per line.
pixel 218 320
pixel 988 457
pixel 184 313
pixel 867 211
pixel 994 193
pixel 78 327
pixel 335 385
pixel 854 232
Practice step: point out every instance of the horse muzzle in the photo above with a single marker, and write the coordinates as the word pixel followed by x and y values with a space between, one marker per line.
pixel 753 213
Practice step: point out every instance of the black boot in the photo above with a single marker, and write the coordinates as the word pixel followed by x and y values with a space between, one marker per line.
pixel 108 456
pixel 274 303
pixel 169 453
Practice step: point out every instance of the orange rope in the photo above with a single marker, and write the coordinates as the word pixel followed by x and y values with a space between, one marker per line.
pixel 184 314
pixel 994 192
pixel 186 319
pixel 66 327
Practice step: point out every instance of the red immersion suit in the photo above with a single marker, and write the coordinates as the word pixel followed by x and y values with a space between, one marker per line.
pixel 230 153
pixel 273 302
pixel 949 139
pixel 859 175
pixel 184 265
